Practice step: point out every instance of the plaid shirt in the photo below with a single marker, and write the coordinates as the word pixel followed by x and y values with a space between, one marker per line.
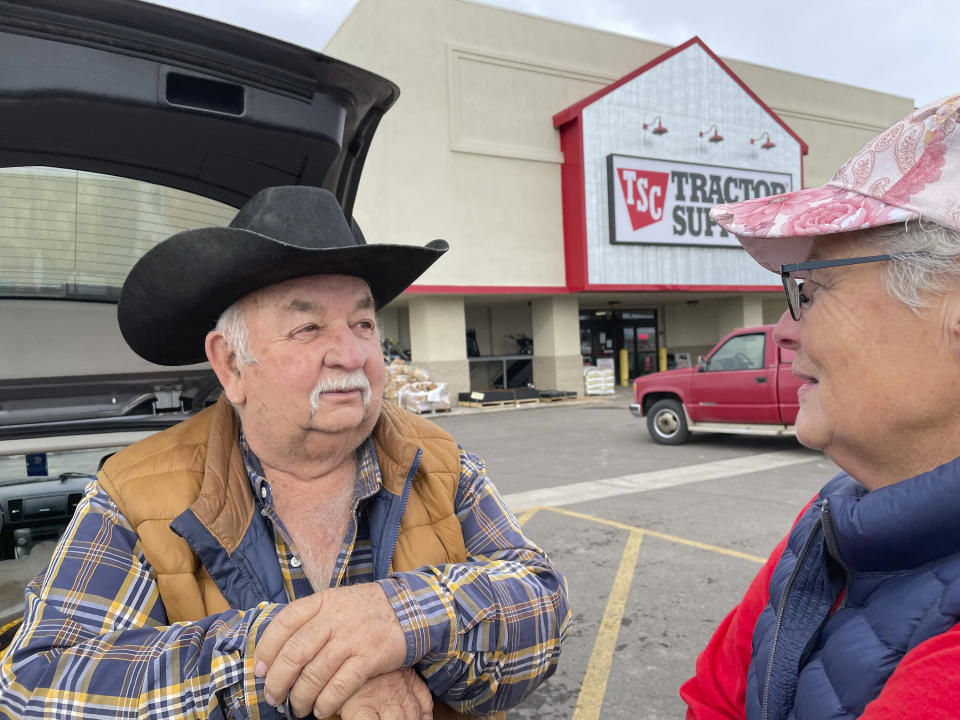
pixel 96 642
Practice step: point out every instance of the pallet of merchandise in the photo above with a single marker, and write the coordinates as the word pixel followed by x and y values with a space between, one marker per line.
pixel 424 398
pixel 549 396
pixel 499 397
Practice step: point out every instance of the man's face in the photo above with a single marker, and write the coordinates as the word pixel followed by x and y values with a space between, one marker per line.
pixel 317 349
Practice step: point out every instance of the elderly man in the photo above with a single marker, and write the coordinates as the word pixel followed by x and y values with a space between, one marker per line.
pixel 300 546
pixel 855 613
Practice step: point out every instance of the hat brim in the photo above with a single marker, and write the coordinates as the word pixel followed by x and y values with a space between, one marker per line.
pixel 176 292
pixel 779 230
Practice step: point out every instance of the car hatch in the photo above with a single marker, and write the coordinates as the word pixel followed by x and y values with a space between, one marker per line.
pixel 142 91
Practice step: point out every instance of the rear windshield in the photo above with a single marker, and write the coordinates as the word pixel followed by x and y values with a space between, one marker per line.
pixel 75 235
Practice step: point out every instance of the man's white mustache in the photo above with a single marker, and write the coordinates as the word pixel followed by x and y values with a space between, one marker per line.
pixel 355 380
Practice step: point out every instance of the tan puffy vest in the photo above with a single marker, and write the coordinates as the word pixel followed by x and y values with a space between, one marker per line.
pixel 197 465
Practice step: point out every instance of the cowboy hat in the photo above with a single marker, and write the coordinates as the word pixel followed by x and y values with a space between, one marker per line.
pixel 176 292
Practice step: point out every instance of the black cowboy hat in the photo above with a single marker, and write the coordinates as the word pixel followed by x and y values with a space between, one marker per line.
pixel 176 292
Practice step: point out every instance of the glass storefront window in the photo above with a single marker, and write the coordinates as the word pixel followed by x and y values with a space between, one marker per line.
pixel 605 333
pixel 75 235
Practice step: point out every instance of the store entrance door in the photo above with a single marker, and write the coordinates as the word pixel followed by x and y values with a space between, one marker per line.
pixel 603 333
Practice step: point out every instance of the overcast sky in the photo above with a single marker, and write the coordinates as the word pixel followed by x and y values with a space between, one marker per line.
pixel 909 48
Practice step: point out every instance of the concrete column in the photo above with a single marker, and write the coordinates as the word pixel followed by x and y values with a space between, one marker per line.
pixel 438 341
pixel 557 363
pixel 739 312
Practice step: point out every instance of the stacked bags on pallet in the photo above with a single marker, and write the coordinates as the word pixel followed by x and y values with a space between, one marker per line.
pixel 597 381
pixel 411 388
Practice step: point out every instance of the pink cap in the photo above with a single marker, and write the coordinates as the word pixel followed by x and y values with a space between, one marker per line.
pixel 909 171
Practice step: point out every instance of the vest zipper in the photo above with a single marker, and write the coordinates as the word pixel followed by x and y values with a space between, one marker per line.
pixel 781 606
pixel 396 518
pixel 829 537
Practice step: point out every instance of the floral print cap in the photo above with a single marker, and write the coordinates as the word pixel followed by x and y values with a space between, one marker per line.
pixel 910 171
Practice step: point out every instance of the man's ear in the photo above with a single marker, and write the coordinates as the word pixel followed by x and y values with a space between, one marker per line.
pixel 225 364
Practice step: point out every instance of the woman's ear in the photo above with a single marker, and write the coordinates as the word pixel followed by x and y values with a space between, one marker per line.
pixel 226 366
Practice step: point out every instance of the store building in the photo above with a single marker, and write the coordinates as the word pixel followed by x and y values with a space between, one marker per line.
pixel 521 140
pixel 643 165
pixel 538 150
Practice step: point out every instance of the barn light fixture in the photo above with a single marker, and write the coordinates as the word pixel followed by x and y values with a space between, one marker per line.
pixel 768 143
pixel 716 137
pixel 660 129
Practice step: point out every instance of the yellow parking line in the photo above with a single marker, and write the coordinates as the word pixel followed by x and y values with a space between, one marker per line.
pixel 594 686
pixel 660 535
pixel 522 519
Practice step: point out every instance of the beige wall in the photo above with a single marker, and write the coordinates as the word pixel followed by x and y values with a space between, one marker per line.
pixel 438 340
pixel 690 326
pixel 739 312
pixel 469 153
pixel 557 364
pixel 772 310
pixel 696 327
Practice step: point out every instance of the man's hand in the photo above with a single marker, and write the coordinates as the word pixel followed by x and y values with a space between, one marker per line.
pixel 321 649
pixel 397 695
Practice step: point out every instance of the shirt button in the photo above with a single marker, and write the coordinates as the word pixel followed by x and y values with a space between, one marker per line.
pixel 295 562
pixel 263 492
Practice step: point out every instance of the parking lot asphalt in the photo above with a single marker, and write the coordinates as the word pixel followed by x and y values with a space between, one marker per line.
pixel 657 543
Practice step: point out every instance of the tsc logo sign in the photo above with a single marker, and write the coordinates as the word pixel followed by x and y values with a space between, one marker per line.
pixel 644 193
pixel 668 202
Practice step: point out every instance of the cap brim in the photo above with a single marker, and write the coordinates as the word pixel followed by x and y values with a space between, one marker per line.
pixel 176 292
pixel 778 230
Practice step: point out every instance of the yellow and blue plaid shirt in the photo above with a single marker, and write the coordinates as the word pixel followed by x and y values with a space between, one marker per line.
pixel 96 642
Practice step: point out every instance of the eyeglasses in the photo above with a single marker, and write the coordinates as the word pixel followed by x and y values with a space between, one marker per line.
pixel 791 288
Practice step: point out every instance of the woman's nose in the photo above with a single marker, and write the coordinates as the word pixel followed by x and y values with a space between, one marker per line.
pixel 786 333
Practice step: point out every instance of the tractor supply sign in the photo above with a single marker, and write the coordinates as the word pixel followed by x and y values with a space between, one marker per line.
pixel 668 203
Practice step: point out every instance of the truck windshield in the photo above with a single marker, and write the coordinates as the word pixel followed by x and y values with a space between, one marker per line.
pixel 38 467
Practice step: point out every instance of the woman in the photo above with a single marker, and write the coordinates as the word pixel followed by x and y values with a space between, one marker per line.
pixel 855 613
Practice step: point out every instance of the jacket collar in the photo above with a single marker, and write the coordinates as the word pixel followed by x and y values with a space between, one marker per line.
pixel 897 527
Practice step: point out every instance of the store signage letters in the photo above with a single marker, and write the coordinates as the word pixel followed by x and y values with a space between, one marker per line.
pixel 664 202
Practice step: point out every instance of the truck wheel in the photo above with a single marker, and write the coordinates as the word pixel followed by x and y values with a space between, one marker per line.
pixel 667 423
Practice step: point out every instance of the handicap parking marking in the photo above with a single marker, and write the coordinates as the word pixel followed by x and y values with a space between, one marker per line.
pixel 574 493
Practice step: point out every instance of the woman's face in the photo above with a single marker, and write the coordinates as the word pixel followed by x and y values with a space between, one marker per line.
pixel 882 384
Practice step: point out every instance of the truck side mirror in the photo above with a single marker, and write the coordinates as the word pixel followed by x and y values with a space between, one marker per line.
pixel 701 364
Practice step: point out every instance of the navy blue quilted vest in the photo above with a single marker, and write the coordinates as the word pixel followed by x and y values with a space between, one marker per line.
pixel 896 553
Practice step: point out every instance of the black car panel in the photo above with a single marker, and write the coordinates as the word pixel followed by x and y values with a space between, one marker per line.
pixel 141 91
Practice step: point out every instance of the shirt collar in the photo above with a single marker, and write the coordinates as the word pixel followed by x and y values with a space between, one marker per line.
pixel 368 480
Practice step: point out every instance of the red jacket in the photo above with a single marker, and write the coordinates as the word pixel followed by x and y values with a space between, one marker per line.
pixel 926 683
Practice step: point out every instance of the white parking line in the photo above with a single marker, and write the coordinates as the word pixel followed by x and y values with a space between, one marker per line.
pixel 654 480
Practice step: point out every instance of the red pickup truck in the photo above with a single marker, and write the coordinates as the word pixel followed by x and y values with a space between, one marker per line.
pixel 743 386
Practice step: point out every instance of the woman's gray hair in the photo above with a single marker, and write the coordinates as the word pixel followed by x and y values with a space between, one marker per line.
pixel 930 264
pixel 234 330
